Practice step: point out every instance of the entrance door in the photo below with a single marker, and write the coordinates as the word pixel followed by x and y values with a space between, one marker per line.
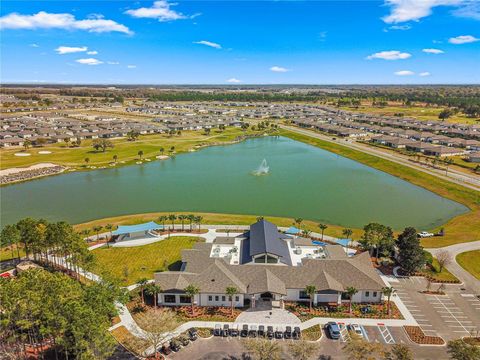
pixel 266 296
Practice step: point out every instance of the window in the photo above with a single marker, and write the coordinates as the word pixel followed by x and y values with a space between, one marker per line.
pixel 260 259
pixel 210 297
pixel 185 299
pixel 367 293
pixel 303 295
pixel 374 294
pixel 223 298
pixel 169 299
pixel 272 260
pixel 237 298
pixel 216 297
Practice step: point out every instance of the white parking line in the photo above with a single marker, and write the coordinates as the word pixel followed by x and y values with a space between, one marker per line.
pixel 453 315
pixel 387 336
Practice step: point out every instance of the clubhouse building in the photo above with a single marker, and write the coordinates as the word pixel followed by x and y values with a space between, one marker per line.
pixel 269 267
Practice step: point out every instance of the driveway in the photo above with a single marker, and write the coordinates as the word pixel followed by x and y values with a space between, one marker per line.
pixel 468 279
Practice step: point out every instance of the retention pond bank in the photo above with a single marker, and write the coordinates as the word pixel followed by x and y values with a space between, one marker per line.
pixel 302 181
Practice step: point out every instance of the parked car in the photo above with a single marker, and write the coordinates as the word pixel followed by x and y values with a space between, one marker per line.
pixel 234 332
pixel 279 333
pixel 217 331
pixel 297 334
pixel 261 331
pixel 175 345
pixel 270 333
pixel 356 329
pixel 225 330
pixel 244 332
pixel 288 332
pixel 253 331
pixel 425 234
pixel 193 334
pixel 333 330
pixel 183 339
pixel 165 349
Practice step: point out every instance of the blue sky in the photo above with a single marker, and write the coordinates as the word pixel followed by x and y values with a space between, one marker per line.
pixel 244 42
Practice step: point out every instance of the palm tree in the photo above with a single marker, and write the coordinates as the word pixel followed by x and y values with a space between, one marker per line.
pixel 142 283
pixel 162 150
pixel 298 221
pixel 140 154
pixel 109 227
pixel 182 218
pixel 350 291
pixel 97 229
pixel 192 290
pixel 115 157
pixel 260 218
pixel 191 218
pixel 388 292
pixel 198 220
pixel 153 290
pixel 306 232
pixel 162 219
pixel 172 149
pixel 322 227
pixel 231 291
pixel 172 218
pixel 311 291
pixel 347 233
pixel 87 160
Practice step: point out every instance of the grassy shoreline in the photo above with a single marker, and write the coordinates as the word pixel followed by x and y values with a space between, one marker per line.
pixel 463 228
pixel 469 260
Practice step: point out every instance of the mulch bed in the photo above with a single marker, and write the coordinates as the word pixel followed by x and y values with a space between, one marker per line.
pixel 206 313
pixel 378 311
pixel 416 334
pixel 472 340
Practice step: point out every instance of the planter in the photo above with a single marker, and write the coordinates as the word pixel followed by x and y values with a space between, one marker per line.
pixel 416 335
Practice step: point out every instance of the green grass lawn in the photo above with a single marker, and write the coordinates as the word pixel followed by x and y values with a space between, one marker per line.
pixel 470 261
pixel 444 275
pixel 130 264
pixel 126 151
pixel 460 229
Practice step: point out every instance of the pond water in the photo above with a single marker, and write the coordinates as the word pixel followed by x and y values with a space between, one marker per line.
pixel 300 181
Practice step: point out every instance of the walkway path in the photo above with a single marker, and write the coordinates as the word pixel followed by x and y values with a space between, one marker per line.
pixel 469 181
pixel 468 279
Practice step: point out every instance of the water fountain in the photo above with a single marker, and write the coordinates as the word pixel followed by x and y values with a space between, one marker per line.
pixel 263 169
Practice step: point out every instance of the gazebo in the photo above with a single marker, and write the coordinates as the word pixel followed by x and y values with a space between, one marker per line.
pixel 132 232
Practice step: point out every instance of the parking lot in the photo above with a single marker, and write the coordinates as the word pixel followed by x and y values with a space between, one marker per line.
pixel 451 316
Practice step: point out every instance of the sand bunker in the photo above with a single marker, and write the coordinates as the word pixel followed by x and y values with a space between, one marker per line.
pixel 44 152
pixel 22 154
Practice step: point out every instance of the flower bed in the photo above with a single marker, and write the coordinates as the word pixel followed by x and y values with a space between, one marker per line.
pixel 472 340
pixel 377 311
pixel 204 332
pixel 313 333
pixel 206 313
pixel 416 334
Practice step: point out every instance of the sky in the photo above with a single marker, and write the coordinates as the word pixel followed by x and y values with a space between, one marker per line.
pixel 240 42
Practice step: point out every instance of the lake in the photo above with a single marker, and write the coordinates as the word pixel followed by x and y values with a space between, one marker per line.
pixel 303 181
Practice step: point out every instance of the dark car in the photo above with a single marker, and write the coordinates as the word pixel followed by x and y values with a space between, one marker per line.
pixel 270 333
pixel 288 332
pixel 234 332
pixel 217 331
pixel 184 340
pixel 244 331
pixel 165 349
pixel 193 334
pixel 261 331
pixel 253 331
pixel 296 333
pixel 175 345
pixel 225 330
pixel 333 330
pixel 278 333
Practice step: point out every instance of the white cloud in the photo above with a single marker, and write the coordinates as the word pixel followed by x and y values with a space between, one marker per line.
pixel 93 52
pixel 471 10
pixel 34 45
pixel 89 61
pixel 433 51
pixel 462 39
pixel 425 73
pixel 279 69
pixel 400 27
pixel 234 81
pixel 389 55
pixel 160 10
pixel 404 73
pixel 44 20
pixel 70 49
pixel 131 66
pixel 408 10
pixel 208 43
pixel 113 62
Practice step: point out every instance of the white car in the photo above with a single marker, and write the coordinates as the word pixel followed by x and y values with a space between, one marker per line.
pixel 356 329
pixel 425 234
